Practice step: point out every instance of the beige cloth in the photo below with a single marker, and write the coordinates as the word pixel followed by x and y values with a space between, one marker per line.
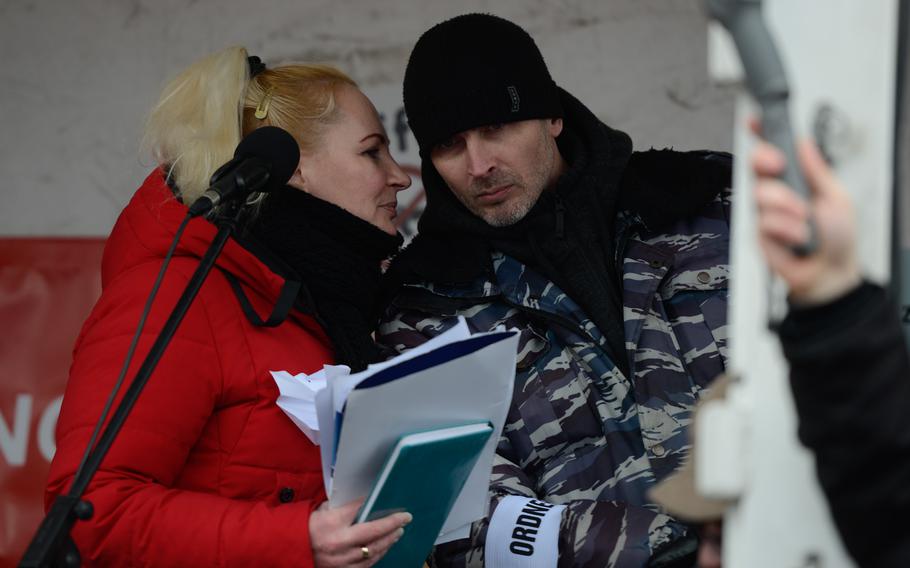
pixel 677 493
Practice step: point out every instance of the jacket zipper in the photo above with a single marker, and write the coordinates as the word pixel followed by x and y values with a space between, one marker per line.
pixel 560 217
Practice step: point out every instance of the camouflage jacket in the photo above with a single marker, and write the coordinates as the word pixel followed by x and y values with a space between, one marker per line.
pixel 580 432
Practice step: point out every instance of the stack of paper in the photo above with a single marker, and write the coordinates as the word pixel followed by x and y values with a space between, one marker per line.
pixel 451 380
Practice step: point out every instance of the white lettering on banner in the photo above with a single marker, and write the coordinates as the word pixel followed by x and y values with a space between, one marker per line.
pixel 14 440
pixel 14 443
pixel 47 443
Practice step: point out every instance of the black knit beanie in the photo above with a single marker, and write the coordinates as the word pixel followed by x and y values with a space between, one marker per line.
pixel 475 70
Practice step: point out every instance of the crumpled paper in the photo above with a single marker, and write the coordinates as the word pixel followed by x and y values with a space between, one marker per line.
pixel 298 396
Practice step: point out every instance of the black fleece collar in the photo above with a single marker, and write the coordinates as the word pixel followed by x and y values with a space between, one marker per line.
pixel 338 256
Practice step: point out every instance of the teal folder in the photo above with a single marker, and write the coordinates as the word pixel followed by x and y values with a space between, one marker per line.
pixel 423 475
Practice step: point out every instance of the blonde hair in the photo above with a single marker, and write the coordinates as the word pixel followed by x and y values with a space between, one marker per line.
pixel 203 113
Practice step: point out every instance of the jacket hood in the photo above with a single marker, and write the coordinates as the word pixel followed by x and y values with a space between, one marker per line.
pixel 147 225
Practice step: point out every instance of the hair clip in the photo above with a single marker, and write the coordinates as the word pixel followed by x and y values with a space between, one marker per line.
pixel 262 109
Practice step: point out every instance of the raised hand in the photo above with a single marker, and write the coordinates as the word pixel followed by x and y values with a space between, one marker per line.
pixel 834 268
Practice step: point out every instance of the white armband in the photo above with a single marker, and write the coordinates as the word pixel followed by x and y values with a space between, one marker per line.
pixel 523 533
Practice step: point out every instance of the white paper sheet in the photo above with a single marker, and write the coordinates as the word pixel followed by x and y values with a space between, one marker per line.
pixel 456 534
pixel 344 386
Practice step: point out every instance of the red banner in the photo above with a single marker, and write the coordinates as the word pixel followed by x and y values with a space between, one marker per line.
pixel 47 288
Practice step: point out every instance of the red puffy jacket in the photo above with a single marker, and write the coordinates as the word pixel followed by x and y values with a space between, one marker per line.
pixel 207 470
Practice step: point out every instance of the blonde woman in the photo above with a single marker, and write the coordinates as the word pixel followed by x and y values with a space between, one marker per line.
pixel 207 470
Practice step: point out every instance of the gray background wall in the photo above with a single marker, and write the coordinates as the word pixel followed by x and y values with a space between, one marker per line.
pixel 77 77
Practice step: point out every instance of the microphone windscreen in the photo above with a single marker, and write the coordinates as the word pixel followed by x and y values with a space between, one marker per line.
pixel 277 148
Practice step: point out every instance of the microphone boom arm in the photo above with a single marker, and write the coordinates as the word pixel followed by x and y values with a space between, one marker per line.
pixel 767 82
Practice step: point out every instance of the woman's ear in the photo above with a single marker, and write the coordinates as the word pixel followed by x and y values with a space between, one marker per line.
pixel 298 178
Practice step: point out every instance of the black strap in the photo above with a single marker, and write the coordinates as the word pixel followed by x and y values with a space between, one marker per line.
pixel 282 307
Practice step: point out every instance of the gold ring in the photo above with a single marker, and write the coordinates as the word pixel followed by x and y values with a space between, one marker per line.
pixel 365 552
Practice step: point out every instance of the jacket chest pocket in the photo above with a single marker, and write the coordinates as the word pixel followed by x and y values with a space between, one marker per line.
pixel 707 271
pixel 694 299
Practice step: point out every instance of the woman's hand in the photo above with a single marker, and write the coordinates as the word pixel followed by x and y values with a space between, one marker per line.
pixel 833 269
pixel 336 542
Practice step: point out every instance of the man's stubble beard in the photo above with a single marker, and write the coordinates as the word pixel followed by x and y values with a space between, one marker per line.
pixel 510 211
pixel 528 192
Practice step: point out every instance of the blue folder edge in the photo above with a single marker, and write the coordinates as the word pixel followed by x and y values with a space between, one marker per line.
pixel 434 358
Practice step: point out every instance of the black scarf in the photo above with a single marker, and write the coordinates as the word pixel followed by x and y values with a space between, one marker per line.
pixel 338 256
pixel 568 235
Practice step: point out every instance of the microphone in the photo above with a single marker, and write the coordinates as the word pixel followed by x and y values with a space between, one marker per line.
pixel 263 161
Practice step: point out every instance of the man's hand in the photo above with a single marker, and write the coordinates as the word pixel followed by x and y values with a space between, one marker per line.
pixel 833 269
pixel 336 542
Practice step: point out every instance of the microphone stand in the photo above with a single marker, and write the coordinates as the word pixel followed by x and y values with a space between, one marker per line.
pixel 52 544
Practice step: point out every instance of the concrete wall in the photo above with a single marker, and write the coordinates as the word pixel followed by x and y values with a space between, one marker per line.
pixel 77 78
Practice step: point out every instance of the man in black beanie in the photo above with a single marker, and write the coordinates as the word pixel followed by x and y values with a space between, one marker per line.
pixel 611 263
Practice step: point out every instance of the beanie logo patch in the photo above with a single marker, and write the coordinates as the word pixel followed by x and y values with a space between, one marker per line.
pixel 516 101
